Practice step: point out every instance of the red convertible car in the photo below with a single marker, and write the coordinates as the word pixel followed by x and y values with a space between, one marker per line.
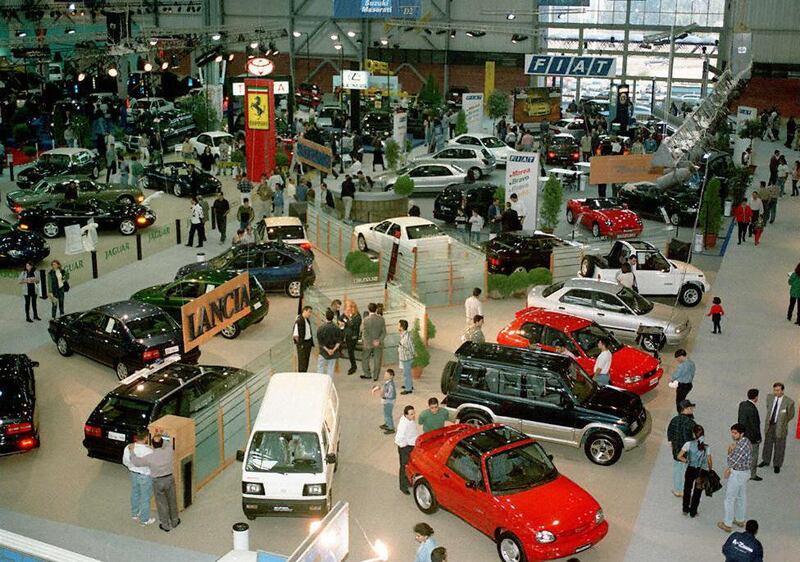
pixel 503 483
pixel 604 217
pixel 631 368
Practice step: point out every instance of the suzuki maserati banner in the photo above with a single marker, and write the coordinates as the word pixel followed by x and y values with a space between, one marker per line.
pixel 357 9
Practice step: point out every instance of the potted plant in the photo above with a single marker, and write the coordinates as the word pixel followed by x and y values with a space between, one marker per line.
pixel 710 217
pixel 497 105
pixel 422 357
pixel 518 283
pixel 404 186
pixel 391 151
pixel 461 123
pixel 550 211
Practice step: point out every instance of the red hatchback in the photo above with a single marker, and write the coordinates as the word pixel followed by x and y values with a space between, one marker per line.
pixel 503 483
pixel 631 368
pixel 604 217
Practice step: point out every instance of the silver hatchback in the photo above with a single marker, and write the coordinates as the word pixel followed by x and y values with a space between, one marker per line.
pixel 476 159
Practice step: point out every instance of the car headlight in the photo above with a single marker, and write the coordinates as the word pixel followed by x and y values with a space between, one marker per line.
pixel 15 253
pixel 314 489
pixel 545 537
pixel 632 379
pixel 253 488
pixel 599 517
pixel 608 222
pixel 677 329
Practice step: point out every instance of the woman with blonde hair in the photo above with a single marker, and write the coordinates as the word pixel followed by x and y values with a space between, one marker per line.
pixel 352 331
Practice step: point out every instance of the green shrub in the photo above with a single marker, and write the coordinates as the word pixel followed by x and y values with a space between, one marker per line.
pixel 500 193
pixel 392 152
pixel 429 95
pixel 359 264
pixel 281 159
pixel 422 357
pixel 710 217
pixel 552 197
pixel 29 150
pixel 203 113
pixel 519 281
pixel 497 105
pixel 404 186
pixel 540 276
pixel 752 129
pixel 21 133
pixel 498 283
pixel 237 157
pixel 431 329
pixel 461 123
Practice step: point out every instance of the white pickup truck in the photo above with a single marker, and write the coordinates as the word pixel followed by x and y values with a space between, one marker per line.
pixel 655 274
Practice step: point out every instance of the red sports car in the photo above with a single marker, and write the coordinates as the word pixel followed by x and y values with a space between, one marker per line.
pixel 631 368
pixel 503 483
pixel 604 217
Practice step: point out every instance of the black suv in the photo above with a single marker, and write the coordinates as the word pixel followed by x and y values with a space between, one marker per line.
pixel 545 395
pixel 166 388
pixel 19 417
pixel 478 196
pixel 522 250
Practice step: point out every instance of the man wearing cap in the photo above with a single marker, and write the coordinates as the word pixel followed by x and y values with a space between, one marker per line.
pixel 679 432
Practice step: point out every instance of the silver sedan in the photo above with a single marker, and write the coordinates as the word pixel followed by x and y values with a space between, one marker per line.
pixel 427 177
pixel 478 160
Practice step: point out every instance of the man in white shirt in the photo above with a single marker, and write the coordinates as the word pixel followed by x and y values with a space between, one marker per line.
pixel 196 224
pixel 519 207
pixel 405 439
pixel 475 224
pixel 141 483
pixel 602 366
pixel 473 306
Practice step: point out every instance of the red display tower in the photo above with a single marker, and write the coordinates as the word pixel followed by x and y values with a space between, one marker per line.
pixel 260 135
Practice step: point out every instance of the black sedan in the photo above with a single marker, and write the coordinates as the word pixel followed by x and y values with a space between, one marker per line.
pixel 51 220
pixel 18 246
pixel 562 149
pixel 19 416
pixel 477 196
pixel 646 199
pixel 125 335
pixel 376 122
pixel 277 266
pixel 520 251
pixel 180 179
pixel 61 162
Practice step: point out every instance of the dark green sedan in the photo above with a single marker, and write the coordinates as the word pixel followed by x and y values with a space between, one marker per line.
pixel 52 190
pixel 171 296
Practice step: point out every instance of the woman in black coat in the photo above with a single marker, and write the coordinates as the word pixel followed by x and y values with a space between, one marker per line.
pixel 206 160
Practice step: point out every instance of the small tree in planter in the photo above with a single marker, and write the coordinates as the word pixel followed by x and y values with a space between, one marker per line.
pixel 552 197
pixel 282 162
pixel 710 217
pixel 404 186
pixel 237 157
pixel 752 129
pixel 429 95
pixel 461 123
pixel 497 105
pixel 422 357
pixel 391 151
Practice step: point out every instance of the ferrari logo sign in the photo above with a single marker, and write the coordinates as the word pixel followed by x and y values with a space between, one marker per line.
pixel 258 110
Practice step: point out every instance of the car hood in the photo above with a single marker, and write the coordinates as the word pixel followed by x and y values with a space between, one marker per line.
pixel 569 507
pixel 22 196
pixel 149 292
pixel 618 403
pixel 687 269
pixel 618 215
pixel 664 314
pixel 192 267
pixel 632 361
pixel 39 170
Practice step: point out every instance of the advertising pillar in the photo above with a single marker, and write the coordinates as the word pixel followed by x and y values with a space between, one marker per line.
pixel 260 137
pixel 522 178
pixel 472 104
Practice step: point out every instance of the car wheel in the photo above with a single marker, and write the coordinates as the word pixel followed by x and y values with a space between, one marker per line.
pixel 520 269
pixel 509 548
pixel 122 370
pixel 362 243
pixel 675 219
pixel 424 497
pixel 63 346
pixel 473 418
pixel 653 343
pixel 293 289
pixel 690 295
pixel 476 173
pixel 587 267
pixel 596 230
pixel 51 229
pixel 127 227
pixel 570 216
pixel 177 191
pixel 95 173
pixel 603 448
pixel 126 200
pixel 230 332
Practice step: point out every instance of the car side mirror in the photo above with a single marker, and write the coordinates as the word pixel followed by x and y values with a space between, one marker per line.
pixel 330 458
pixel 240 455
pixel 34 363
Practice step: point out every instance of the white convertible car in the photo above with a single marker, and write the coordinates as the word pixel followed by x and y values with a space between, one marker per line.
pixel 377 236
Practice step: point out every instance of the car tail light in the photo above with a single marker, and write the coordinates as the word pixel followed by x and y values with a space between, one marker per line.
pixel 23 226
pixel 140 198
pixel 306 245
pixel 17 209
pixel 27 443
pixel 92 431
pixel 16 428
pixel 151 355
pixel 551 154
pixel 494 262
pixel 576 156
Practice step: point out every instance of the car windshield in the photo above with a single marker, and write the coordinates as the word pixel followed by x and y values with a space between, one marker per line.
pixel 10 397
pixel 579 383
pixel 588 337
pixel 60 160
pixel 123 410
pixel 281 451
pixel 636 302
pixel 423 231
pixel 289 232
pixel 604 204
pixel 519 469
pixel 493 142
pixel 150 326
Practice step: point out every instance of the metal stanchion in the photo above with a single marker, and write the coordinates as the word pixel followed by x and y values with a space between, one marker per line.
pixel 178 231
pixel 241 536
pixel 94 265
pixel 139 246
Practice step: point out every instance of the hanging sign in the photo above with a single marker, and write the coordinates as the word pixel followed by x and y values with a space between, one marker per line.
pixel 358 9
pixel 281 88
pixel 355 79
pixel 260 66
pixel 553 65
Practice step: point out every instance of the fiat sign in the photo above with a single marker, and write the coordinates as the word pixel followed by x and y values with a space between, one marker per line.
pixel 260 66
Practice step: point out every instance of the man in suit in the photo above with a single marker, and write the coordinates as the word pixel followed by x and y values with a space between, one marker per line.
pixel 374 334
pixel 749 418
pixel 780 411
pixel 303 339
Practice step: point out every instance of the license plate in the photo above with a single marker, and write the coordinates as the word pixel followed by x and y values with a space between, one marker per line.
pixel 281 508
pixel 257 305
pixel 171 350
pixel 626 235
pixel 116 436
pixel 582 548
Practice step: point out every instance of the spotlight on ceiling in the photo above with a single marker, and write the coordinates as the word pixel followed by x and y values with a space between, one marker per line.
pixel 334 37
pixel 510 16
pixel 218 58
pixel 148 67
pixel 254 45
pixel 384 42
pixel 81 76
pixel 216 37
pixel 164 65
pixel 231 56
pixel 476 33
pixel 69 31
pixel 22 34
pixel 351 33
pixel 153 42
pixel 296 33
pixel 452 34
pixel 113 72
pixel 516 38
pixel 338 46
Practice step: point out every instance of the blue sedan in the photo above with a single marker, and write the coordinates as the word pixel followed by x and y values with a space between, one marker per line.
pixel 277 266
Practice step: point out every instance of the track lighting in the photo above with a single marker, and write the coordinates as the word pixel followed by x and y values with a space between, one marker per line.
pixel 216 37
pixel 113 72
pixel 148 67
pixel 296 33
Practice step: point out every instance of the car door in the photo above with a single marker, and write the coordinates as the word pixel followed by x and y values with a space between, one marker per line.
pixel 547 418
pixel 376 234
pixel 532 332
pixel 281 268
pixel 111 340
pixel 421 176
pixel 577 302
pixel 87 189
pixel 612 313
pixel 202 141
pixel 462 466
pixel 82 337
pixel 439 176
pixel 447 155
pixel 655 275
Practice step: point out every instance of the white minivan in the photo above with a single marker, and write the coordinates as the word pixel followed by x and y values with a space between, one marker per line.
pixel 290 458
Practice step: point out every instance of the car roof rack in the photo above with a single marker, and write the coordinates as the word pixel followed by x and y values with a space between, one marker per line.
pixel 152 368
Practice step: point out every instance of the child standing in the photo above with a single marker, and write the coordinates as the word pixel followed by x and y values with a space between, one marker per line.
pixel 388 395
pixel 716 313
pixel 759 228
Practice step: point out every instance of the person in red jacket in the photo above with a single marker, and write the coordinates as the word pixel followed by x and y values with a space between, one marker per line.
pixel 716 313
pixel 743 215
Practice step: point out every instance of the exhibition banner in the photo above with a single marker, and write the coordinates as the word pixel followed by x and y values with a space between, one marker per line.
pixel 355 79
pixel 260 133
pixel 488 81
pixel 400 129
pixel 522 178
pixel 555 65
pixel 563 3
pixel 743 115
pixel 358 9
pixel 204 317
pixel 313 154
pixel 472 104
pixel 623 169
pixel 535 105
